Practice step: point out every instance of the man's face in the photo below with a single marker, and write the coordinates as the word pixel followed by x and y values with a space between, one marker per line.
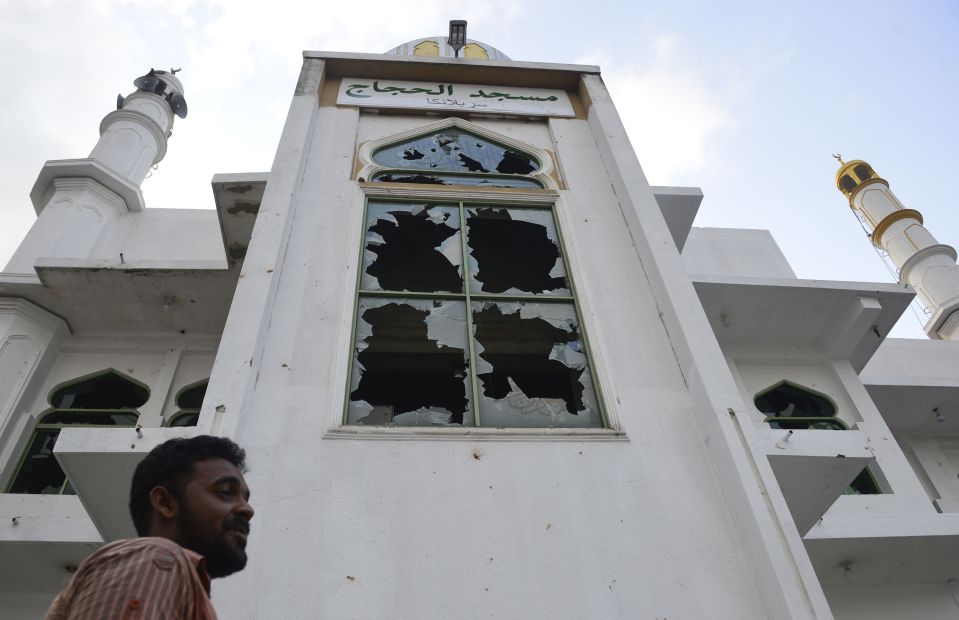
pixel 215 515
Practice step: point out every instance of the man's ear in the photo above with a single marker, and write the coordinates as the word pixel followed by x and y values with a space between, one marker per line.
pixel 164 503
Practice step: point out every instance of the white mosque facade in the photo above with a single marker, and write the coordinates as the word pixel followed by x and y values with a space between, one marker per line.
pixel 480 366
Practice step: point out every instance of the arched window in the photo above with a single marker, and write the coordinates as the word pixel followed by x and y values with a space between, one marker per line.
pixel 453 155
pixel 105 399
pixel 189 401
pixel 466 312
pixel 790 406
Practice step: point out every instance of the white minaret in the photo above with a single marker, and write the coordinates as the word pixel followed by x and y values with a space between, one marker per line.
pixel 923 263
pixel 77 200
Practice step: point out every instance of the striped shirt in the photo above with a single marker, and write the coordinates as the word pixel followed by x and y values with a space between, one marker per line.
pixel 137 578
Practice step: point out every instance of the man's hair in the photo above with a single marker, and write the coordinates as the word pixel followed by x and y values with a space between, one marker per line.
pixel 168 465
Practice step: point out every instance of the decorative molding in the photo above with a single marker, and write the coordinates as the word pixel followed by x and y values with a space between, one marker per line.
pixel 86 184
pixel 443 192
pixel 141 119
pixel 33 312
pixel 915 259
pixel 475 434
pixel 891 219
pixel 543 175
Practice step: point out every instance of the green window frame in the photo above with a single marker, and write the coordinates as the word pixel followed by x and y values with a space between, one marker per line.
pixel 189 400
pixel 37 465
pixel 534 411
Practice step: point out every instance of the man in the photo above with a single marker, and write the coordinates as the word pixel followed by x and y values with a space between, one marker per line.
pixel 190 505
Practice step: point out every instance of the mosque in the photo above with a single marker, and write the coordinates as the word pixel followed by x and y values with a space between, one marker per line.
pixel 480 366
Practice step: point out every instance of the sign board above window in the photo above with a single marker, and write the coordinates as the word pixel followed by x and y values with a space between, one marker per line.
pixel 383 93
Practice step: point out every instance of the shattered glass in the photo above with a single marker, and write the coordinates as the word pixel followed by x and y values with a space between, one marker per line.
pixel 412 247
pixel 531 366
pixel 514 251
pixel 410 364
pixel 456 179
pixel 454 150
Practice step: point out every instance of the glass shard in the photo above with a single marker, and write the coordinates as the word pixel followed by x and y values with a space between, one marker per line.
pixel 412 248
pixel 514 251
pixel 411 369
pixel 536 374
pixel 454 150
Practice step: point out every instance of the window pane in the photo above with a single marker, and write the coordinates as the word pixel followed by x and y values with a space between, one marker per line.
pixel 40 472
pixel 105 391
pixel 531 366
pixel 100 418
pixel 185 419
pixel 192 398
pixel 412 248
pixel 453 150
pixel 514 251
pixel 790 401
pixel 410 364
pixel 455 179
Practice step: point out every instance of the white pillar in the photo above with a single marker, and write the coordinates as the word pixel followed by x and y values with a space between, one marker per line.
pixel 134 137
pixel 924 263
pixel 29 342
pixel 76 200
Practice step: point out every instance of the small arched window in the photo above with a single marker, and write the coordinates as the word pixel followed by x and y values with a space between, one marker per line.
pixel 189 401
pixel 790 406
pixel 793 407
pixel 455 156
pixel 103 399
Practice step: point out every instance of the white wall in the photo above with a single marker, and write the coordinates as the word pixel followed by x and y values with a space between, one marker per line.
pixel 736 252
pixel 439 528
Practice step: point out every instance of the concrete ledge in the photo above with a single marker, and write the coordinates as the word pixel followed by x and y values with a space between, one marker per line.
pixel 84 168
pixel 885 549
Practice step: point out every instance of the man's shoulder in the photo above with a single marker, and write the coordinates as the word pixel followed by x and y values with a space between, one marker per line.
pixel 162 551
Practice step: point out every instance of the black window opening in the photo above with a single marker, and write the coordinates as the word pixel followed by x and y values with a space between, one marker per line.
pixel 466 317
pixel 188 402
pixel 792 407
pixel 105 399
pixel 453 156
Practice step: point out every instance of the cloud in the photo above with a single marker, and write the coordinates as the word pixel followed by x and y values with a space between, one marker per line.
pixel 671 111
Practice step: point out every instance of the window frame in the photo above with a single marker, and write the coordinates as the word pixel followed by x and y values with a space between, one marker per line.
pixel 40 426
pixel 370 168
pixel 466 197
pixel 185 411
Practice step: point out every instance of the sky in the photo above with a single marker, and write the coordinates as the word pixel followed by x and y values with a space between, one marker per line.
pixel 746 100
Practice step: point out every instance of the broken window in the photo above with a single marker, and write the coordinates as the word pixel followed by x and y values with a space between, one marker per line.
pixel 105 399
pixel 410 363
pixel 514 251
pixel 453 150
pixel 463 325
pixel 189 401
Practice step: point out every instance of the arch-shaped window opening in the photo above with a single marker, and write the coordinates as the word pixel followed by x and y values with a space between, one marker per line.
pixel 104 390
pixel 189 400
pixel 863 171
pixel 789 406
pixel 103 399
pixel 848 184
pixel 453 156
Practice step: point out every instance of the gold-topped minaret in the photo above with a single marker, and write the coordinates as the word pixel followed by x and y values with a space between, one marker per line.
pixel 922 262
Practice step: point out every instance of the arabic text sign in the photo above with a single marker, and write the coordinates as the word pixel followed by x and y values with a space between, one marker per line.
pixel 445 96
